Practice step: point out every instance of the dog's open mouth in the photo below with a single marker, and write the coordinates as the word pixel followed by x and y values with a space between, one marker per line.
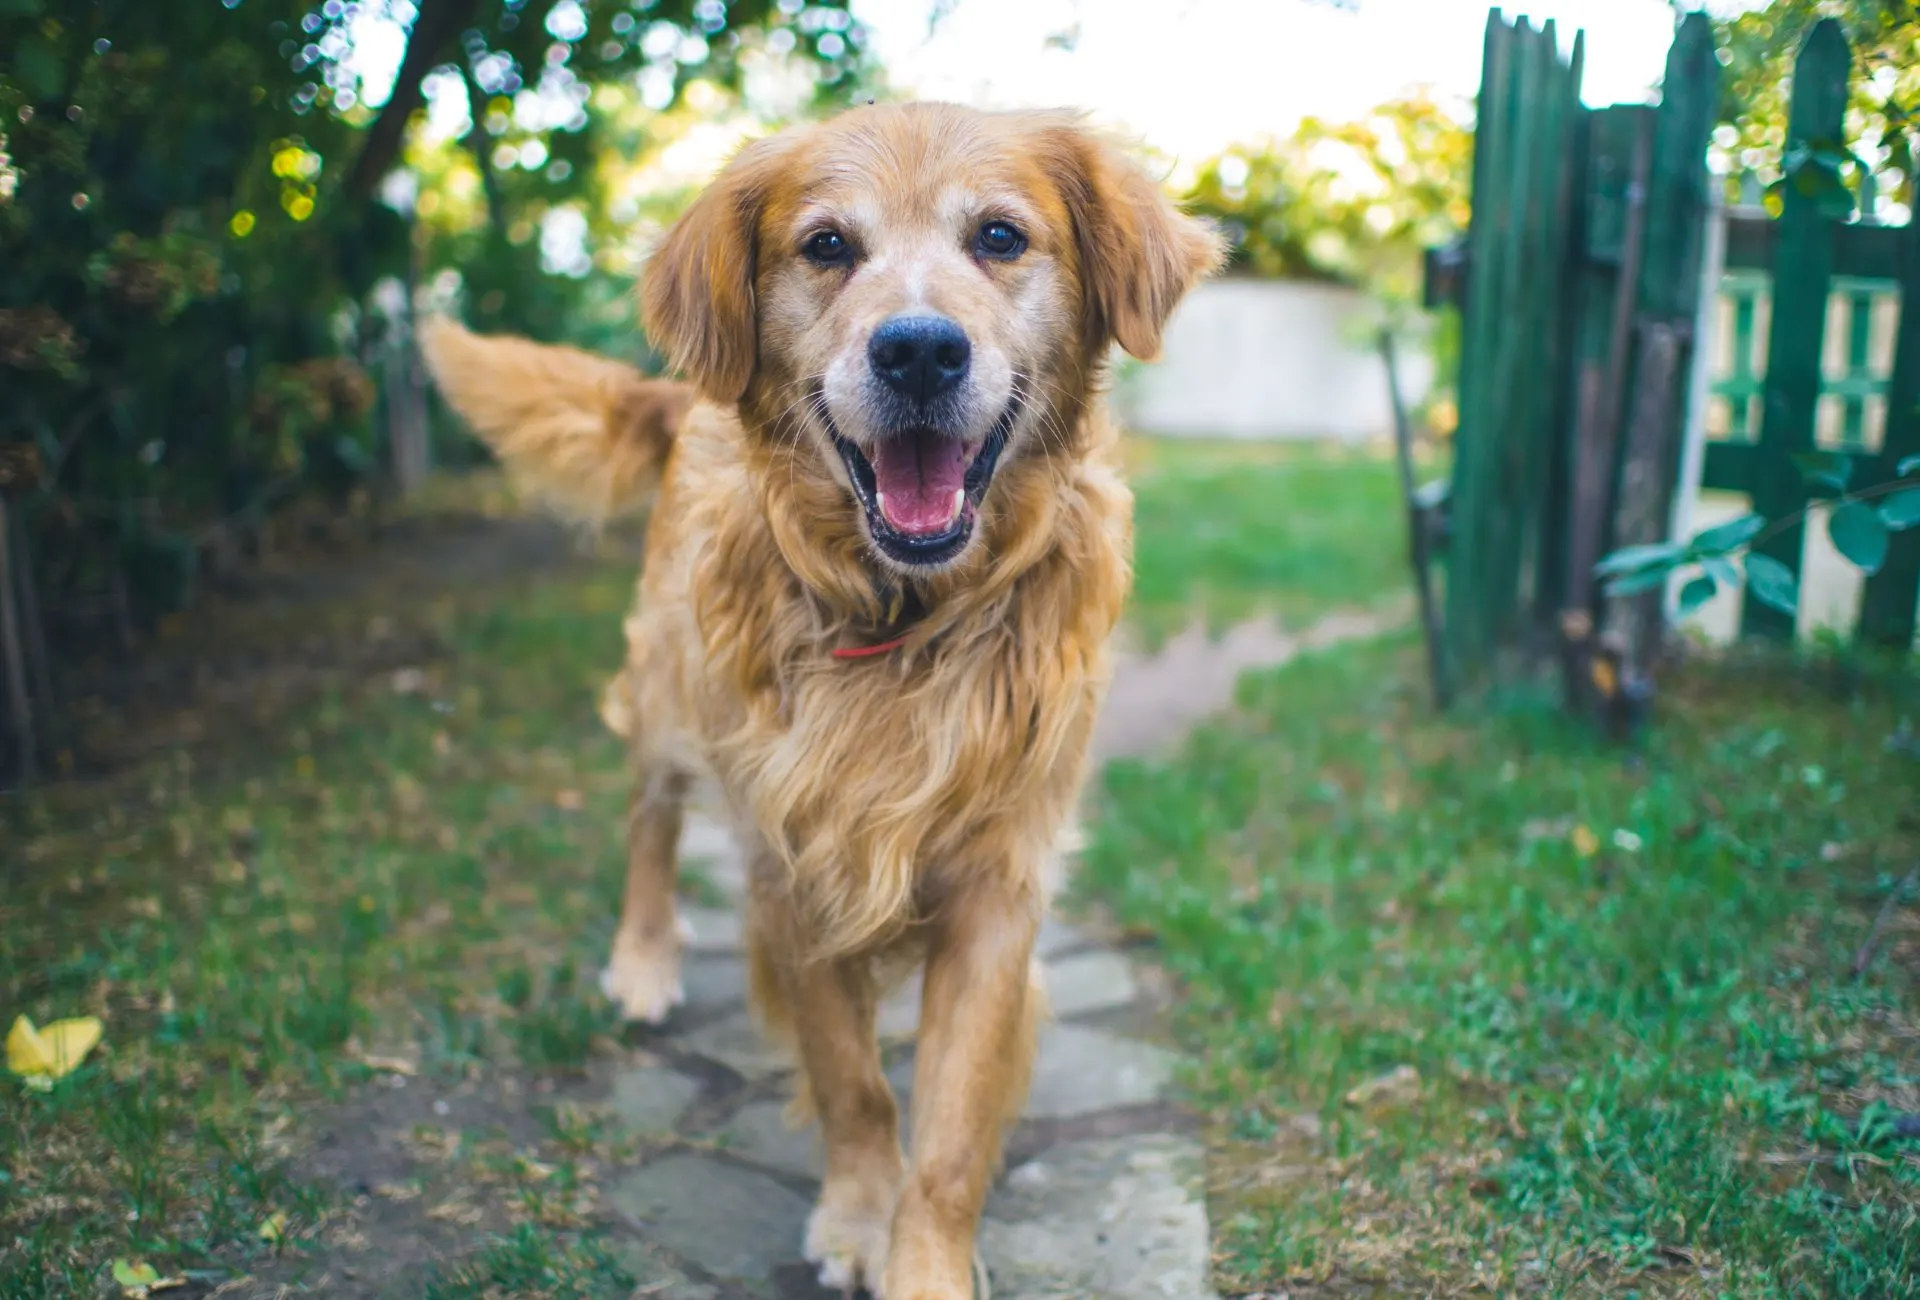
pixel 922 489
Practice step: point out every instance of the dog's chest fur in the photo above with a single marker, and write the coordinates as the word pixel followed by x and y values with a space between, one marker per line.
pixel 961 751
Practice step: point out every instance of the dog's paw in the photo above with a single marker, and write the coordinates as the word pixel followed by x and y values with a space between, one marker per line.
pixel 848 1245
pixel 644 980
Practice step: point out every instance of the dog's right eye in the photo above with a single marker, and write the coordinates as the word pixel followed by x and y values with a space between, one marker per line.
pixel 828 248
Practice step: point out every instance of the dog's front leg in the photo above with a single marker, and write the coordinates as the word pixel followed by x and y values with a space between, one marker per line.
pixel 832 1005
pixel 977 1021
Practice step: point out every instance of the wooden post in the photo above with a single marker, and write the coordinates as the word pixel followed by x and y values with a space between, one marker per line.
pixel 1514 390
pixel 33 635
pixel 404 385
pixel 13 661
pixel 1619 214
pixel 1419 531
pixel 1802 275
pixel 1646 480
pixel 1887 608
pixel 1675 220
pixel 1476 443
pixel 1693 449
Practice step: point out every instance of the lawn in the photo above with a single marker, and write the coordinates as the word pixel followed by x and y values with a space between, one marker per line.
pixel 1481 1004
pixel 412 854
pixel 1225 531
pixel 420 865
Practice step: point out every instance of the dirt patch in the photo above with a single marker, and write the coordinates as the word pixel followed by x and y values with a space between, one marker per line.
pixel 302 624
pixel 1158 697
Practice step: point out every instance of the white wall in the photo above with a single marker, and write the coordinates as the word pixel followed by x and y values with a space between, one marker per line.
pixel 1269 359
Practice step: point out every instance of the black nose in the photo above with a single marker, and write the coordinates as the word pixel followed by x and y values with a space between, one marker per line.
pixel 920 357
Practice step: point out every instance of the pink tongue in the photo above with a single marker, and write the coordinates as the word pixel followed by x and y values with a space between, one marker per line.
pixel 917 477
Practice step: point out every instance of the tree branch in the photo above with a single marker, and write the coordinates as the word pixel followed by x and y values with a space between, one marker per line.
pixel 439 21
pixel 482 155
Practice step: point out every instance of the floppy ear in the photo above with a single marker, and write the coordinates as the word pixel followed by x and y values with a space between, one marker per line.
pixel 697 297
pixel 1139 254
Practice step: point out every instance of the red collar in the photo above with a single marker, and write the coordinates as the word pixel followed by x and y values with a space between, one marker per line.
pixel 868 651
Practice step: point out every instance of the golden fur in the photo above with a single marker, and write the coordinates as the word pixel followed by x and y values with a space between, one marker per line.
pixel 905 806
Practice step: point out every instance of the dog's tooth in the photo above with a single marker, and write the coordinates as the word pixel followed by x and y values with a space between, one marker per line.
pixel 959 501
pixel 880 503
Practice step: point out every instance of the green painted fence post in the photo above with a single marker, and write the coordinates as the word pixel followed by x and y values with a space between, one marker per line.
pixel 1514 391
pixel 1476 444
pixel 1887 608
pixel 1802 274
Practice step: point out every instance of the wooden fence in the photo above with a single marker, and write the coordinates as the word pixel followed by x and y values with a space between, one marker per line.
pixel 1820 351
pixel 1589 300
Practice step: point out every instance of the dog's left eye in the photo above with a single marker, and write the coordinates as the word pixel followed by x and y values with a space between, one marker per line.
pixel 828 248
pixel 1000 239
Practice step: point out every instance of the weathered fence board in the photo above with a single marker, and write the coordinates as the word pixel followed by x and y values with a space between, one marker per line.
pixel 1802 276
pixel 1518 250
pixel 1888 606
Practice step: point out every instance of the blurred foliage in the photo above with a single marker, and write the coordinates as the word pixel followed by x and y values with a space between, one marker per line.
pixel 1758 49
pixel 208 236
pixel 1355 203
pixel 1352 202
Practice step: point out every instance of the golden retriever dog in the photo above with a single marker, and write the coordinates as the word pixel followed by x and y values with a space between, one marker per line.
pixel 888 548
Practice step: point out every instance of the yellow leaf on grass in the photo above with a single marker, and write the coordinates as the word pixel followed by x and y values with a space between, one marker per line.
pixel 43 1056
pixel 138 1281
pixel 274 1227
pixel 1585 842
pixel 130 1274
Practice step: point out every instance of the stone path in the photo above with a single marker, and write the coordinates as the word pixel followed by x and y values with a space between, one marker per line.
pixel 1101 1192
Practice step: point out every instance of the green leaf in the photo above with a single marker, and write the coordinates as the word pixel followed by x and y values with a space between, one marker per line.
pixel 1835 201
pixel 1860 534
pixel 1721 570
pixel 1832 468
pixel 1632 559
pixel 1901 511
pixel 1911 465
pixel 1772 583
pixel 1697 593
pixel 1632 584
pixel 1728 536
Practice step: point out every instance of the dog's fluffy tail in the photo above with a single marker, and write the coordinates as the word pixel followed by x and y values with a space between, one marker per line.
pixel 587 434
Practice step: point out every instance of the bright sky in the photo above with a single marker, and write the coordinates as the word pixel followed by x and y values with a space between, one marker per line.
pixel 1190 77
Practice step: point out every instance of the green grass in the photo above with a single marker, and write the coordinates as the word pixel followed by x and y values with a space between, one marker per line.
pixel 1224 531
pixel 532 1264
pixel 425 874
pixel 1599 1013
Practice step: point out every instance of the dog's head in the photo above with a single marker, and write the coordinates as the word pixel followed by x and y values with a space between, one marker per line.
pixel 923 293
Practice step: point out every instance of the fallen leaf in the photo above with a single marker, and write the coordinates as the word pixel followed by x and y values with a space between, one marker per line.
pixel 141 1280
pixel 457 1211
pixel 44 1056
pixel 409 681
pixel 274 1227
pixel 1585 842
pixel 569 800
pixel 1398 1084
pixel 130 1274
pixel 390 1064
